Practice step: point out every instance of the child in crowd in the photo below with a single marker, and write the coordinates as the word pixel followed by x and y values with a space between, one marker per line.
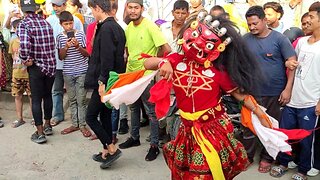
pixel 71 45
pixel 20 76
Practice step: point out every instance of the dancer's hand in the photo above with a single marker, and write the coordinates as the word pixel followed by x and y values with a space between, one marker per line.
pixel 264 120
pixel 166 71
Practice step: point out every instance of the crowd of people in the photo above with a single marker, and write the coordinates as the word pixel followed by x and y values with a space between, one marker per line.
pixel 203 55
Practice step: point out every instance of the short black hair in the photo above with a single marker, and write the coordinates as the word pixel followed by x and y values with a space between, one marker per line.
pixel 217 8
pixel 304 16
pixel 106 5
pixel 181 4
pixel 76 3
pixel 256 11
pixel 65 16
pixel 275 6
pixel 315 7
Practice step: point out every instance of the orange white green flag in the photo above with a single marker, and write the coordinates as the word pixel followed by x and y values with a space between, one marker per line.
pixel 126 88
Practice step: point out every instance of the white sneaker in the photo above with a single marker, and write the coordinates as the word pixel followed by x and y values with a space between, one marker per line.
pixel 292 165
pixel 313 172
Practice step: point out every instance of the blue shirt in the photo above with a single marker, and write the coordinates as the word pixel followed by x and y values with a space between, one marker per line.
pixel 57 29
pixel 74 63
pixel 271 53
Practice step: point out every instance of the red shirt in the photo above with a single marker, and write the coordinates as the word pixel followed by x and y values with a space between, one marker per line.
pixel 200 88
pixel 91 29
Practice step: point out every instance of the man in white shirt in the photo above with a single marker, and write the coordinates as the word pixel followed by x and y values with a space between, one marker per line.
pixel 171 29
pixel 303 110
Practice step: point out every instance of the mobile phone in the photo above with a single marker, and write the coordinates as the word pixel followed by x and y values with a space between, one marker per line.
pixel 70 34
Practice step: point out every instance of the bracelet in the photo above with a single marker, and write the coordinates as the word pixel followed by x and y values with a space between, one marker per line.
pixel 161 63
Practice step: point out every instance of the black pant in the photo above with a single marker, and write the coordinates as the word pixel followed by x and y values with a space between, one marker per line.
pixel 41 86
pixel 102 129
pixel 249 140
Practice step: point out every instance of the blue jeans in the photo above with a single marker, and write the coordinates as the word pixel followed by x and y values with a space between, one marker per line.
pixel 135 117
pixel 57 96
pixel 123 112
pixel 302 118
pixel 77 99
pixel 115 121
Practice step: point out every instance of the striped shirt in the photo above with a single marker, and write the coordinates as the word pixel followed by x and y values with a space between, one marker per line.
pixel 74 63
pixel 37 43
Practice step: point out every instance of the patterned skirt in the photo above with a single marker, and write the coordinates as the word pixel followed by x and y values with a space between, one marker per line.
pixel 186 159
pixel 3 78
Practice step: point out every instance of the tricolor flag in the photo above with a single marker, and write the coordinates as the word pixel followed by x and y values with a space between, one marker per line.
pixel 274 139
pixel 126 88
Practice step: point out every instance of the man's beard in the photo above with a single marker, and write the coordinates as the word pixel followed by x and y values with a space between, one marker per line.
pixel 135 18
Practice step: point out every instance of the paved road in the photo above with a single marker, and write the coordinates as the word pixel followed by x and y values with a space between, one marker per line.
pixel 69 156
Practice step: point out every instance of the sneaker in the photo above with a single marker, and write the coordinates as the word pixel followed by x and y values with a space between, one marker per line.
pixel 153 153
pixel 292 165
pixel 47 130
pixel 124 128
pixel 1 123
pixel 313 172
pixel 110 159
pixel 98 157
pixel 130 142
pixel 35 137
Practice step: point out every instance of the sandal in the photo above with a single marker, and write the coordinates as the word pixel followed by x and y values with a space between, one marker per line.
pixel 264 166
pixel 93 137
pixel 69 130
pixel 278 171
pixel 299 176
pixel 17 123
pixel 85 132
pixel 54 122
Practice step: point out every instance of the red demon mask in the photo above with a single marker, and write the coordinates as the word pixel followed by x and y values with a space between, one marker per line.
pixel 200 43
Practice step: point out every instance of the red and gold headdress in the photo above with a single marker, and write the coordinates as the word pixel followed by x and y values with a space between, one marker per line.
pixel 203 41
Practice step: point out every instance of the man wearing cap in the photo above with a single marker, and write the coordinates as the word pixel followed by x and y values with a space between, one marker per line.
pixel 37 50
pixel 143 36
pixel 57 90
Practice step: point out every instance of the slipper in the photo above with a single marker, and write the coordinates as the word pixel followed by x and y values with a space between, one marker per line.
pixel 54 122
pixel 278 171
pixel 85 132
pixel 93 137
pixel 69 130
pixel 17 123
pixel 264 167
pixel 299 176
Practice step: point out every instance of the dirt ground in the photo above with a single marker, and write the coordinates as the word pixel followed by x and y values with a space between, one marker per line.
pixel 68 157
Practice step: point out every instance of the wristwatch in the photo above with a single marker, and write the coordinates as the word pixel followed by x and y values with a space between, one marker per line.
pixel 100 83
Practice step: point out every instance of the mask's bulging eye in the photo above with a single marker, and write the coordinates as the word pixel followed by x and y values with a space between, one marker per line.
pixel 209 46
pixel 195 34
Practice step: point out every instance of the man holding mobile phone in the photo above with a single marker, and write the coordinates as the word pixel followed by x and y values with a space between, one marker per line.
pixel 57 90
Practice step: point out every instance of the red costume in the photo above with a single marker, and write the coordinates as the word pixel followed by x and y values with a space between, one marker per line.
pixel 205 147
